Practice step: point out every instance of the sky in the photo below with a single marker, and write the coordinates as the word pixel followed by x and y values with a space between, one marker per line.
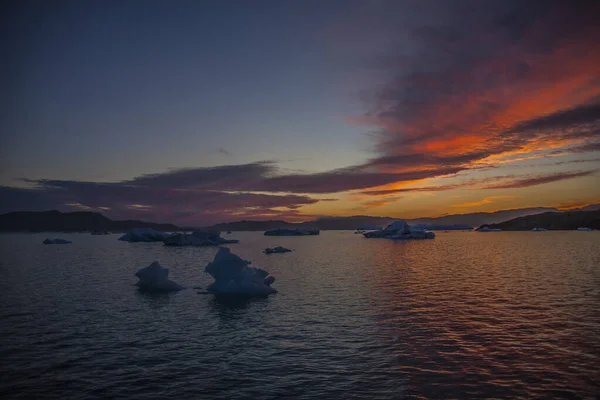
pixel 198 112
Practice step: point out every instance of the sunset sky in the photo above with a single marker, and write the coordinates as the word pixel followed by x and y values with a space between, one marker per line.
pixel 196 112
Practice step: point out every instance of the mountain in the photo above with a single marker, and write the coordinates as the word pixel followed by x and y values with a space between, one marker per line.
pixel 458 221
pixel 567 220
pixel 481 218
pixel 55 221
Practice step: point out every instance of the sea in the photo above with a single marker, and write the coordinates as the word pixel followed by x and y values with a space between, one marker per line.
pixel 467 315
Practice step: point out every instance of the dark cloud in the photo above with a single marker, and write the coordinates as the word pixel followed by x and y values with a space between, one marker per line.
pixel 346 179
pixel 440 188
pixel 527 181
pixel 477 79
pixel 584 114
pixel 221 150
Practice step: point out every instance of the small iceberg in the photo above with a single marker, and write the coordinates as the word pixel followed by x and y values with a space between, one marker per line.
pixel 155 278
pixel 539 230
pixel 488 229
pixel 143 235
pixel 278 249
pixel 57 241
pixel 400 230
pixel 198 238
pixel 584 229
pixel 292 232
pixel 234 276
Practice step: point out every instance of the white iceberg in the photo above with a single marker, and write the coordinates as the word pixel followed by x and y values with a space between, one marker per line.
pixel 156 279
pixel 400 230
pixel 56 241
pixel 585 229
pixel 143 235
pixel 292 232
pixel 233 276
pixel 198 238
pixel 539 230
pixel 278 249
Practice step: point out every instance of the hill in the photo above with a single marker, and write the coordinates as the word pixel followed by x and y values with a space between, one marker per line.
pixel 568 220
pixel 55 221
pixel 454 221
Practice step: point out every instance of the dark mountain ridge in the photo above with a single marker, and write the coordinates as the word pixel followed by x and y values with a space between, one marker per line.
pixel 567 220
pixel 56 221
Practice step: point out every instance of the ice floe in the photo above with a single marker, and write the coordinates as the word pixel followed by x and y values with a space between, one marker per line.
pixel 400 230
pixel 143 235
pixel 156 279
pixel 278 249
pixel 198 238
pixel 234 276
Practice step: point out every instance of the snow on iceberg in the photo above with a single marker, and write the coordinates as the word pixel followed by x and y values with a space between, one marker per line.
pixel 400 230
pixel 155 278
pixel 278 249
pixel 56 241
pixel 198 238
pixel 143 235
pixel 234 276
pixel 292 232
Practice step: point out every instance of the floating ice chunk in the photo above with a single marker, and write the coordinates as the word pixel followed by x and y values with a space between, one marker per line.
pixel 400 230
pixel 198 238
pixel 156 278
pixel 292 232
pixel 233 276
pixel 488 229
pixel 538 230
pixel 585 229
pixel 56 241
pixel 278 249
pixel 143 235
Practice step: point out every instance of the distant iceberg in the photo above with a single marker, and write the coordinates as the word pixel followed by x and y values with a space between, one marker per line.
pixel 57 241
pixel 488 229
pixel 143 235
pixel 585 229
pixel 400 230
pixel 278 249
pixel 539 230
pixel 198 238
pixel 155 278
pixel 292 232
pixel 234 276
pixel 100 233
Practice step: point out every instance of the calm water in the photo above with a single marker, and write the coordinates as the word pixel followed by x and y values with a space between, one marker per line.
pixel 467 315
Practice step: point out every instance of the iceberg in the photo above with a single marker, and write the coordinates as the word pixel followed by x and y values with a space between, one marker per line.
pixel 585 229
pixel 100 233
pixel 56 241
pixel 400 230
pixel 278 249
pixel 292 232
pixel 198 238
pixel 155 278
pixel 488 229
pixel 539 230
pixel 143 235
pixel 234 276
